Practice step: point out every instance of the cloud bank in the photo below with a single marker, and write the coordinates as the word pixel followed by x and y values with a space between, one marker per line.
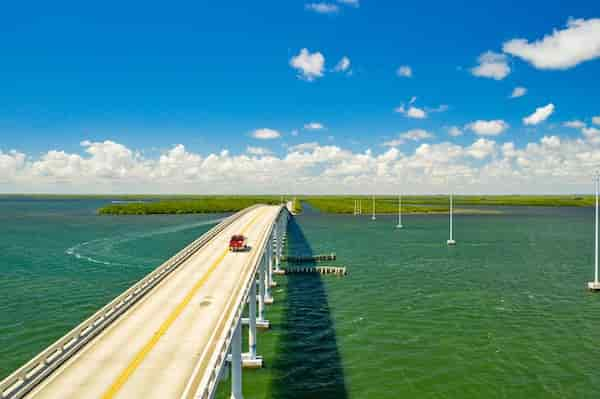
pixel 549 165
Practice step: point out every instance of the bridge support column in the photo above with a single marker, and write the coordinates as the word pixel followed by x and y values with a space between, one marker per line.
pixel 262 322
pixel 276 246
pixel 236 363
pixel 269 275
pixel 279 244
pixel 250 359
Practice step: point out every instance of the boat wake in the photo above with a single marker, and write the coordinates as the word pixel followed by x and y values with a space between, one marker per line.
pixel 95 251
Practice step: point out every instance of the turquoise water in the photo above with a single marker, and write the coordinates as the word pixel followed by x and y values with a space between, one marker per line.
pixel 60 262
pixel 502 315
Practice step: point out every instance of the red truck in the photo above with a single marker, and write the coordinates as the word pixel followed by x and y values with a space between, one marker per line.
pixel 238 243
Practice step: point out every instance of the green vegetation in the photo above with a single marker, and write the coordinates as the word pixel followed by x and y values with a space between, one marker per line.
pixel 504 200
pixel 382 205
pixel 214 204
pixel 439 204
pixel 186 204
pixel 297 206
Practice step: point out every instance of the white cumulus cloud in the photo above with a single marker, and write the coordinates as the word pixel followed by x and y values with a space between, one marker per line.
pixel 518 92
pixel 412 112
pixel 551 141
pixel 394 142
pixel 455 131
pixel 266 134
pixel 314 126
pixel 303 147
pixel 412 135
pixel 484 166
pixel 404 71
pixel 596 120
pixel 591 134
pixel 575 124
pixel 310 65
pixel 343 65
pixel 417 135
pixel 563 49
pixel 482 148
pixel 491 65
pixel 258 150
pixel 488 128
pixel 10 164
pixel 540 115
pixel 322 8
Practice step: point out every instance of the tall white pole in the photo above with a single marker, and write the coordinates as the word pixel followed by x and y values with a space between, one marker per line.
pixel 595 285
pixel 373 217
pixel 596 242
pixel 451 206
pixel 399 211
pixel 451 241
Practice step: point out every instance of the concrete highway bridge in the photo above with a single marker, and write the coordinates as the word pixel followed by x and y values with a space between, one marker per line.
pixel 175 332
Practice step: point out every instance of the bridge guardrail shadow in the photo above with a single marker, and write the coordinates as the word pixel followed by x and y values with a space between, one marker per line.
pixel 308 363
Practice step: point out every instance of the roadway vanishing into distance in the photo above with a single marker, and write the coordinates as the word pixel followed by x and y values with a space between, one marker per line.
pixel 173 342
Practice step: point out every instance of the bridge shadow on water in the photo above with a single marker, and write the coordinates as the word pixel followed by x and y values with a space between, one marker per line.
pixel 308 362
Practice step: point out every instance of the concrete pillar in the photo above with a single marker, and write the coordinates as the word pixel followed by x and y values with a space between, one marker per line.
pixel 250 359
pixel 279 243
pixel 262 322
pixel 252 321
pixel 269 274
pixel 236 362
pixel 276 246
pixel 283 234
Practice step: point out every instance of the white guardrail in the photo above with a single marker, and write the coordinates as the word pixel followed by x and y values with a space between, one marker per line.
pixel 28 376
pixel 209 382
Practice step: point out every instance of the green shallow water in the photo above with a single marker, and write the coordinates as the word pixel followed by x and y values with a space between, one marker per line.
pixel 502 315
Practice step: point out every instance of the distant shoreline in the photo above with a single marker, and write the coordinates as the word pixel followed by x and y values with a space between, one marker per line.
pixel 384 205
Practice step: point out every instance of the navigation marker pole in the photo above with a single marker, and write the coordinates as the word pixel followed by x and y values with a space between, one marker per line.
pixel 451 241
pixel 399 226
pixel 595 285
pixel 373 217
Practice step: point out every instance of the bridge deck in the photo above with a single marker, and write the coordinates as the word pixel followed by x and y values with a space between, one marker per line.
pixel 151 351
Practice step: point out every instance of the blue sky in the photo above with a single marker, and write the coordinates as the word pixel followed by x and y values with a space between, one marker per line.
pixel 149 77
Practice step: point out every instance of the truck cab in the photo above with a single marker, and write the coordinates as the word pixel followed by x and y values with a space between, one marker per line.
pixel 238 243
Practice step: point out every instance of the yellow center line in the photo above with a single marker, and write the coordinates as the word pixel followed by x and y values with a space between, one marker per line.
pixel 141 355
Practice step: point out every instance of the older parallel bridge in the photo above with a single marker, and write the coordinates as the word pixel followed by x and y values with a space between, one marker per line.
pixel 172 334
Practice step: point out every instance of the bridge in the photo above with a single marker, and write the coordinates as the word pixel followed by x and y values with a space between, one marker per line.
pixel 175 332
